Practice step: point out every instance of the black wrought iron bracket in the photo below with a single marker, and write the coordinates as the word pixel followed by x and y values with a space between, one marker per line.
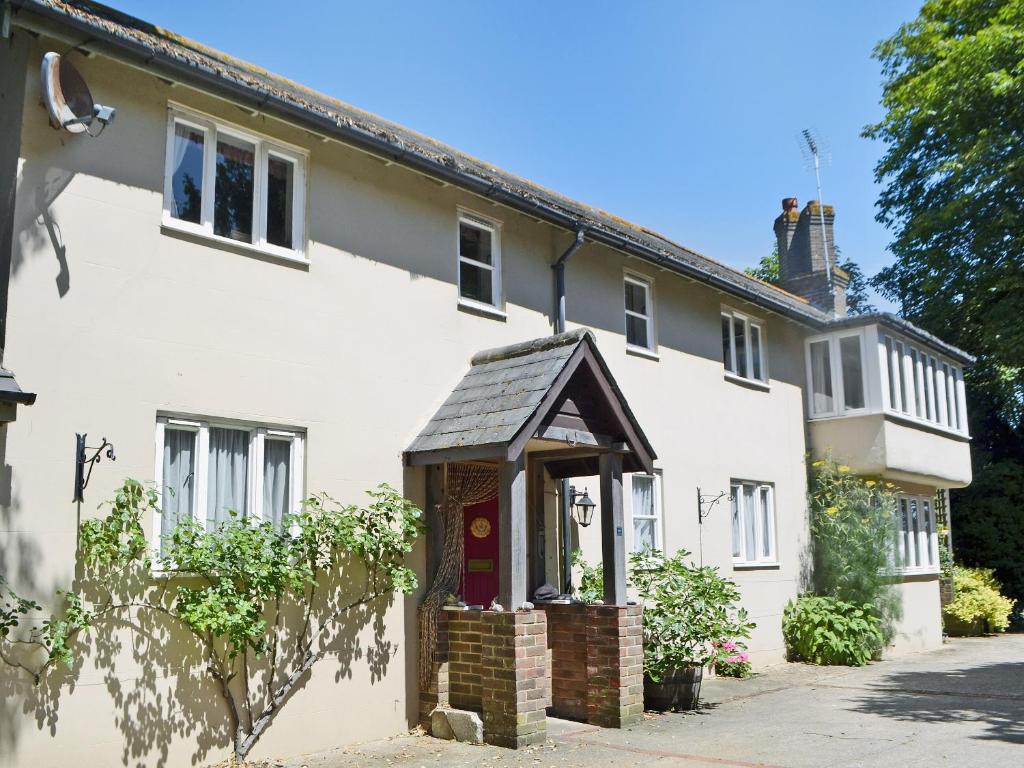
pixel 706 503
pixel 84 462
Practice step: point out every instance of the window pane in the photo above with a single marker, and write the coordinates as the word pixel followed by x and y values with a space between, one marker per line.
pixel 821 377
pixel 280 196
pixel 739 329
pixel 727 343
pixel 187 174
pixel 636 297
pixel 918 373
pixel 232 199
pixel 929 385
pixel 750 522
pixel 894 382
pixel 475 243
pixel 643 495
pixel 929 529
pixel 766 522
pixel 737 548
pixel 915 531
pixel 229 465
pixel 853 379
pixel 643 534
pixel 950 397
pixel 177 495
pixel 276 480
pixel 755 352
pixel 907 385
pixel 905 533
pixel 636 331
pixel 476 283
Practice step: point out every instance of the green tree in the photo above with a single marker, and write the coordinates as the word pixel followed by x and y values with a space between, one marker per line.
pixel 953 176
pixel 857 292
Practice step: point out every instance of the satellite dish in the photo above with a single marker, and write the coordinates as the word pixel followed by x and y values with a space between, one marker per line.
pixel 68 99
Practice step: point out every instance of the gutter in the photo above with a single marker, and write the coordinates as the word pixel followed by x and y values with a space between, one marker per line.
pixel 146 57
pixel 564 501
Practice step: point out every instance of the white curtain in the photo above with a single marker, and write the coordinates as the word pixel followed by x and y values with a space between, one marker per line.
pixel 178 478
pixel 750 521
pixel 229 463
pixel 276 480
pixel 821 377
pixel 736 530
pixel 643 507
pixel 185 138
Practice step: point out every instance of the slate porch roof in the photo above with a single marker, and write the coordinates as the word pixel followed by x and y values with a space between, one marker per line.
pixel 503 391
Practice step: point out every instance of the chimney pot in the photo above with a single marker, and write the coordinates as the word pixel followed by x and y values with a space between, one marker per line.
pixel 789 204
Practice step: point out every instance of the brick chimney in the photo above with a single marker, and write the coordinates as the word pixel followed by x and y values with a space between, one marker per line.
pixel 802 267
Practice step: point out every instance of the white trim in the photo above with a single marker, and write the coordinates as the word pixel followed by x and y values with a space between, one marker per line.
pixel 263 148
pixel 659 510
pixel 762 534
pixel 647 284
pixel 750 323
pixel 258 434
pixel 485 224
pixel 923 543
pixel 835 373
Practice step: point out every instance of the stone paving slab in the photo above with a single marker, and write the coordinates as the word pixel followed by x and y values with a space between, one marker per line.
pixel 962 706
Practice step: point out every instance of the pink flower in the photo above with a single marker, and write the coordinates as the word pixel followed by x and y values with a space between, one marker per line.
pixel 729 645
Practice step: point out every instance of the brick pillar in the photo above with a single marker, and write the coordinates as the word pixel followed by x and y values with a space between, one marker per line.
pixel 513 651
pixel 435 693
pixel 615 665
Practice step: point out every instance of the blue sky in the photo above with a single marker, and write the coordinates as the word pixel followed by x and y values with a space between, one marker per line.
pixel 681 116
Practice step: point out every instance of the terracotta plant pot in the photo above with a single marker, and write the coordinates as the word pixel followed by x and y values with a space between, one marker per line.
pixel 679 689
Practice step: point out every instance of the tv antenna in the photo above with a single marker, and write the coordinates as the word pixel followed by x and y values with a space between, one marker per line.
pixel 813 150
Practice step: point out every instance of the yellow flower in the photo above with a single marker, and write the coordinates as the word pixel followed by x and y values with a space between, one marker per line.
pixel 843 468
pixel 818 463
pixel 832 511
pixel 869 483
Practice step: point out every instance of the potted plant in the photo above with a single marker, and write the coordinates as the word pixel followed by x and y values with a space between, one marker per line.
pixel 689 611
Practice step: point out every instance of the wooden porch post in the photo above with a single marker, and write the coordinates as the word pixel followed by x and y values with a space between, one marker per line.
pixel 512 577
pixel 613 543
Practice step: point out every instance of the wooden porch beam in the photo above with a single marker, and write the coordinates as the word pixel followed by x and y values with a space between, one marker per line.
pixel 613 542
pixel 512 536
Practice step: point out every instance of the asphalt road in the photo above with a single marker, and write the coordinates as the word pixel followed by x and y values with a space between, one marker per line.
pixel 959 706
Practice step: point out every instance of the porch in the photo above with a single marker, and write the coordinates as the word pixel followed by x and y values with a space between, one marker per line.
pixel 526 418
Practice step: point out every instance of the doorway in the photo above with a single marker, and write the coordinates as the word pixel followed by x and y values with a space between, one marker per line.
pixel 480 567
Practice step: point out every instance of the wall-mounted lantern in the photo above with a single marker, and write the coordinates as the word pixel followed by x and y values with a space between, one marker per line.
pixel 582 506
pixel 84 461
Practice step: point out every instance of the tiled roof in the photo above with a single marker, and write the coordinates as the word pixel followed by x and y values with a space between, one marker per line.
pixel 107 30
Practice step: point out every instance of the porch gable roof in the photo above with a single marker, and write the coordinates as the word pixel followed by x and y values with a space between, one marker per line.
pixel 510 393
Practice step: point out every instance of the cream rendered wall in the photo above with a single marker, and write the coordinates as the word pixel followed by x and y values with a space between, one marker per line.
pixel 706 429
pixel 113 320
pixel 920 629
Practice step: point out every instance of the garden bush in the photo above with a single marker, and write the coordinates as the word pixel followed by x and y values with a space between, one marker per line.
pixel 689 611
pixel 829 631
pixel 979 606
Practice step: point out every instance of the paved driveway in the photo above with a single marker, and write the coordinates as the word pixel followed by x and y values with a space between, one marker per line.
pixel 959 706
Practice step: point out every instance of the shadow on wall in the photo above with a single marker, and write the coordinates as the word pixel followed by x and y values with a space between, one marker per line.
pixel 989 695
pixel 35 223
pixel 157 674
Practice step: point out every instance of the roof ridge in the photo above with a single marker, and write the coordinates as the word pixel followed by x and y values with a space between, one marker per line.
pixel 522 348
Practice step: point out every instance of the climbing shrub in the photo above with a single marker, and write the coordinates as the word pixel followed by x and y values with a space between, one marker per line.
pixel 262 604
pixel 853 541
pixel 829 631
pixel 979 606
pixel 591 588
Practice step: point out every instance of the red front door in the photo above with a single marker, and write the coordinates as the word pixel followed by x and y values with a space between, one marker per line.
pixel 480 569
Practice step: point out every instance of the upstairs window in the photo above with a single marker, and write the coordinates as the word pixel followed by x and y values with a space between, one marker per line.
pixel 479 263
pixel 646 512
pixel 921 386
pixel 207 470
pixel 835 374
pixel 226 183
pixel 743 346
pixel 753 523
pixel 639 313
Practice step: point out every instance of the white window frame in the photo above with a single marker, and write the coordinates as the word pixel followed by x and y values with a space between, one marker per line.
pixel 487 224
pixel 924 542
pixel 647 284
pixel 258 434
pixel 749 323
pixel 834 341
pixel 264 147
pixel 659 514
pixel 929 391
pixel 743 559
